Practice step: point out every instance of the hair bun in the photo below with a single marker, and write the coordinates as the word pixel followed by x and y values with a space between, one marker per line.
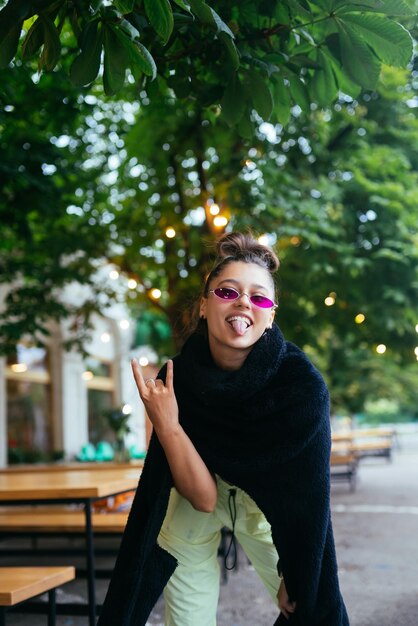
pixel 243 246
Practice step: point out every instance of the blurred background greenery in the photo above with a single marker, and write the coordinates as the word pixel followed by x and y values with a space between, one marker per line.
pixel 254 121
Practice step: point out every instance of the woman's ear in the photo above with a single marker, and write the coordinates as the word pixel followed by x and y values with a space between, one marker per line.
pixel 271 318
pixel 202 309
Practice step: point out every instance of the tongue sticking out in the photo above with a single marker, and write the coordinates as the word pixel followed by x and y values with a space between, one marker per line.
pixel 239 326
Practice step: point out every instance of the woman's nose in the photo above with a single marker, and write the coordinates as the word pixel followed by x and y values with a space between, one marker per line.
pixel 247 302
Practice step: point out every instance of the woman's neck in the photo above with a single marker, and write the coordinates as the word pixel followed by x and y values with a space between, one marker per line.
pixel 227 358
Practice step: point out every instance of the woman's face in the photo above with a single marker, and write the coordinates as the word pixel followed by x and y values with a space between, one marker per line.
pixel 234 326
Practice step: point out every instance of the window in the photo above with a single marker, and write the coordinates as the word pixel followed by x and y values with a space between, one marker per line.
pixel 29 420
pixel 101 397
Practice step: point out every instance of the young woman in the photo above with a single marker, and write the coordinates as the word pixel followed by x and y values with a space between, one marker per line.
pixel 241 439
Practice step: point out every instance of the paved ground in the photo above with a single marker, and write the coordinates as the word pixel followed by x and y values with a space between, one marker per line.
pixel 376 532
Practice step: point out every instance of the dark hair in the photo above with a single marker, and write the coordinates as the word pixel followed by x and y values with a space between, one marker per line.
pixel 233 247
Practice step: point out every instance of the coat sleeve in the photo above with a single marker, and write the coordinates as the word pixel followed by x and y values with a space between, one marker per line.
pixel 142 568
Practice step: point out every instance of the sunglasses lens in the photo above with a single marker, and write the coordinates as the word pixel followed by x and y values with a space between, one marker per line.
pixel 262 301
pixel 226 293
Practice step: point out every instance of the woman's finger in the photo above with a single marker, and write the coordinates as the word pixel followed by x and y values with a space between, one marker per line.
pixel 139 379
pixel 170 375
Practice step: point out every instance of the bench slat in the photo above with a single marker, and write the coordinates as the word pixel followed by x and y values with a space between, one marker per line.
pixel 44 520
pixel 22 583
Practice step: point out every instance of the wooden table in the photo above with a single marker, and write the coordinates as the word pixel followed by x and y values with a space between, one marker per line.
pixel 72 486
pixel 19 468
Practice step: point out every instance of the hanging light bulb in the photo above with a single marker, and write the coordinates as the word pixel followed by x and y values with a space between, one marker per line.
pixel 214 209
pixel 155 293
pixel 132 284
pixel 170 232
pixel 359 319
pixel 381 348
pixel 220 221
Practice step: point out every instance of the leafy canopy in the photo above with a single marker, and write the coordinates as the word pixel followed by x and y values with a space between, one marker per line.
pixel 264 56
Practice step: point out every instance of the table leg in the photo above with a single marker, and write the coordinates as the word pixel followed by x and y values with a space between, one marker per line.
pixel 2 616
pixel 52 607
pixel 91 590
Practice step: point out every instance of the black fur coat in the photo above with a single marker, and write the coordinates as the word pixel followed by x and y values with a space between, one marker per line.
pixel 266 429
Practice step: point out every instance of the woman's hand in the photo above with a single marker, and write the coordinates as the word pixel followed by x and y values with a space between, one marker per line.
pixel 190 475
pixel 285 606
pixel 159 399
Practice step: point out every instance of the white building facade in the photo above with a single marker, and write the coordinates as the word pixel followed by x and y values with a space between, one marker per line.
pixel 52 401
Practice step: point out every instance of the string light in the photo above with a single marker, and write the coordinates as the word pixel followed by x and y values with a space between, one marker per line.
pixel 19 368
pixel 132 284
pixel 124 324
pixel 329 300
pixel 359 319
pixel 87 375
pixel 295 241
pixel 114 274
pixel 263 239
pixel 416 328
pixel 126 409
pixel 170 232
pixel 143 361
pixel 155 293
pixel 220 221
pixel 381 348
pixel 105 337
pixel 214 209
pixel 416 351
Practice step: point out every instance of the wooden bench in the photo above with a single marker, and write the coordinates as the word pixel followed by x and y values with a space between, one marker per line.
pixel 58 520
pixel 365 442
pixel 344 467
pixel 18 584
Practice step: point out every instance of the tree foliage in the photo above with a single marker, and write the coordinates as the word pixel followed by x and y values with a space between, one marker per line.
pixel 263 56
pixel 86 177
pixel 52 233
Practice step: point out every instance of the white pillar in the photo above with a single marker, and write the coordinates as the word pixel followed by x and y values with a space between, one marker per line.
pixel 75 431
pixel 3 414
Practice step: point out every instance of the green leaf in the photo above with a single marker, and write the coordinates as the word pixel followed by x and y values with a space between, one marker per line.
pixel 233 101
pixel 259 93
pixel 386 7
pixel 299 92
pixel 183 5
pixel 142 59
pixel 33 40
pixel 161 17
pixel 9 45
pixel 52 45
pixel 124 6
pixel 323 85
pixel 390 41
pixel 220 25
pixel 344 82
pixel 300 8
pixel 245 126
pixel 282 102
pixel 85 67
pixel 231 49
pixel 12 14
pixel 115 60
pixel 362 66
pixel 203 12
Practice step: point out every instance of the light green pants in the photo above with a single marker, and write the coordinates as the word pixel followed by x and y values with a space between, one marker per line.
pixel 192 537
